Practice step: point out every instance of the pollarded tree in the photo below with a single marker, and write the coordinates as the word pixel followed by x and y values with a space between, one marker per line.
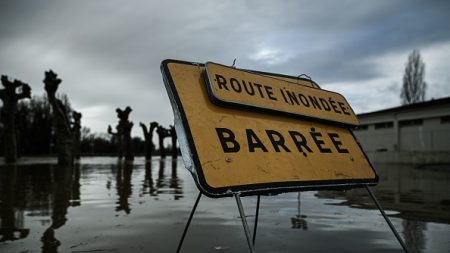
pixel 123 134
pixel 10 97
pixel 148 135
pixel 414 86
pixel 63 131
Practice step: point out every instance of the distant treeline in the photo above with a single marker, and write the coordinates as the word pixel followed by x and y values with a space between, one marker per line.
pixel 36 134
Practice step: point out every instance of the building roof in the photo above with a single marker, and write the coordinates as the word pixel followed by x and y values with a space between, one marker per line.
pixel 421 105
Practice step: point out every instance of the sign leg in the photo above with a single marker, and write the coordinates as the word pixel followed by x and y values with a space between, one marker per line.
pixel 256 219
pixel 189 222
pixel 244 223
pixel 388 221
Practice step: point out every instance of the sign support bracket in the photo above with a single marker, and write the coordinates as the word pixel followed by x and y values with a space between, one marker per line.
pixel 250 242
pixel 388 221
pixel 256 218
pixel 244 223
pixel 189 222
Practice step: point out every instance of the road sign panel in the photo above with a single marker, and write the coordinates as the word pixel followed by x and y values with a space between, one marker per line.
pixel 234 150
pixel 230 87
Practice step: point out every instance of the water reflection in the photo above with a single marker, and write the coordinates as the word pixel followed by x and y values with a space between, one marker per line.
pixel 163 184
pixel 38 190
pixel 48 191
pixel 299 220
pixel 419 194
pixel 61 192
pixel 11 227
pixel 123 185
pixel 175 182
pixel 416 192
pixel 123 171
pixel 161 181
pixel 413 232
pixel 66 209
pixel 147 183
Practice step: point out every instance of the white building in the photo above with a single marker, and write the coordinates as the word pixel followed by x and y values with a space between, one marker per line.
pixel 421 130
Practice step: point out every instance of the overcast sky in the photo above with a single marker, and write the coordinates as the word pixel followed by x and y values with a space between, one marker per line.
pixel 108 53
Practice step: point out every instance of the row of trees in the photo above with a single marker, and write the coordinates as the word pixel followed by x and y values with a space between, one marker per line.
pixel 35 132
pixel 20 124
pixel 48 124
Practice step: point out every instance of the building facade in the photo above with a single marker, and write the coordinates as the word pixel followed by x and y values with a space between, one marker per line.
pixel 420 128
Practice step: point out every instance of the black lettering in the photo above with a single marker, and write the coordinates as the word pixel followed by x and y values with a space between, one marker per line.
pixel 325 104
pixel 269 92
pixel 254 142
pixel 284 96
pixel 333 104
pixel 277 140
pixel 314 102
pixel 303 99
pixel 235 85
pixel 250 90
pixel 343 108
pixel 337 143
pixel 300 143
pixel 221 81
pixel 319 143
pixel 259 86
pixel 292 97
pixel 228 142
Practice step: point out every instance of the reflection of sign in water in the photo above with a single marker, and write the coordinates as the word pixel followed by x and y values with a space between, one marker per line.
pixel 233 149
pixel 231 86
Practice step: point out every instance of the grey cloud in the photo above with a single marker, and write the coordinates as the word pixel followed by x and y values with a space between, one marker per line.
pixel 108 52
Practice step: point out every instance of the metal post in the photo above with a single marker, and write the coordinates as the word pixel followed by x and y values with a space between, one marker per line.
pixel 388 221
pixel 256 219
pixel 244 223
pixel 189 222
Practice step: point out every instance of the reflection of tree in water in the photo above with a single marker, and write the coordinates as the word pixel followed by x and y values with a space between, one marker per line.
pixel 8 226
pixel 175 181
pixel 299 220
pixel 124 186
pixel 40 190
pixel 414 236
pixel 76 185
pixel 163 184
pixel 147 184
pixel 170 185
pixel 66 187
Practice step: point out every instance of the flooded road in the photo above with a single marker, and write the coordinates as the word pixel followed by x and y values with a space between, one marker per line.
pixel 101 205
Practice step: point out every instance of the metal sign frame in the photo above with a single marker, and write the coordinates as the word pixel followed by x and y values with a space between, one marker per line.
pixel 192 162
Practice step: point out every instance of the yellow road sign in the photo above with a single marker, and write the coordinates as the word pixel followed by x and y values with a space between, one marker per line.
pixel 234 150
pixel 230 87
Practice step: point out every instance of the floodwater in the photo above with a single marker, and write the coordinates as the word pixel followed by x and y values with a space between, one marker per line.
pixel 101 205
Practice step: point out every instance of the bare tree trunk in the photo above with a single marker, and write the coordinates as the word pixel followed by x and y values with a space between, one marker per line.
pixel 148 136
pixel 124 133
pixel 10 98
pixel 128 141
pixel 64 137
pixel 162 133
